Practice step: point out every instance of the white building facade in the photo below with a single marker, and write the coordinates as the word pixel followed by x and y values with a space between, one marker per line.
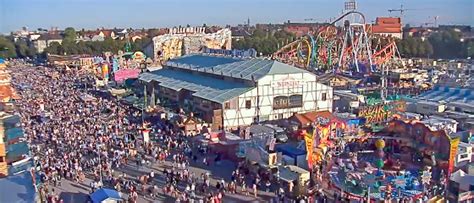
pixel 278 96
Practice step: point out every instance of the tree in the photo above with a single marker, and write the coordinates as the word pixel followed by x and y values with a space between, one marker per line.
pixel 54 48
pixel 264 42
pixel 428 48
pixel 7 48
pixel 21 48
pixel 446 44
pixel 70 34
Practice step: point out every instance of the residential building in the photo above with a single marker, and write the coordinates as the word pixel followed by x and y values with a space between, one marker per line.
pixel 465 154
pixel 301 29
pixel 46 39
pixel 388 27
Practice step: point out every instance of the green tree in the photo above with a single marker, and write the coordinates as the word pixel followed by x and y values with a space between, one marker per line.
pixel 54 48
pixel 70 34
pixel 428 48
pixel 7 48
pixel 21 48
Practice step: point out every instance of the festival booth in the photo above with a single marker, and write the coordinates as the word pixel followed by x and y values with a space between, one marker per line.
pixel 106 195
pixel 327 124
pixel 319 130
pixel 292 155
pixel 190 125
pixel 434 147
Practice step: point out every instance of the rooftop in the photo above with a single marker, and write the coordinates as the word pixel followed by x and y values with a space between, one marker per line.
pixel 201 74
pixel 455 96
pixel 204 87
pixel 247 69
pixel 17 188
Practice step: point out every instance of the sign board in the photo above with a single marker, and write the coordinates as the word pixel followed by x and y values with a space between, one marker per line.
pixel 288 82
pixel 354 104
pixel 381 112
pixel 454 143
pixel 124 74
pixel 235 52
pixel 309 149
pixel 272 159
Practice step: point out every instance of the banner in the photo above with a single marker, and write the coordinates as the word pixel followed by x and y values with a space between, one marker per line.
pixel 454 143
pixel 235 53
pixel 124 74
pixel 381 112
pixel 309 149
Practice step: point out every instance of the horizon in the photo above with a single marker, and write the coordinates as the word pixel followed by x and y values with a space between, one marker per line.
pixel 148 14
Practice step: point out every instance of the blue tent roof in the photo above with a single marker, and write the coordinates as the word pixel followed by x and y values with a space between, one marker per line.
pixel 289 150
pixel 104 194
pixel 2 60
pixel 14 133
pixel 16 150
pixel 17 188
pixel 11 121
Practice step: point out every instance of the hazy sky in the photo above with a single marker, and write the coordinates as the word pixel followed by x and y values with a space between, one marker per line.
pixel 91 14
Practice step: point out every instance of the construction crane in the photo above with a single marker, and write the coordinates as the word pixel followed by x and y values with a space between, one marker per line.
pixel 401 10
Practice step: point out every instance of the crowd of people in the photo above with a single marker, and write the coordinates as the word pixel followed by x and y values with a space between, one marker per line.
pixel 84 137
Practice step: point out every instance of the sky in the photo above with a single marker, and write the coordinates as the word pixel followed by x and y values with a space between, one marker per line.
pixel 92 14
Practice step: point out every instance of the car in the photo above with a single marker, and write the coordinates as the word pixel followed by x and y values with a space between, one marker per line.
pixel 281 138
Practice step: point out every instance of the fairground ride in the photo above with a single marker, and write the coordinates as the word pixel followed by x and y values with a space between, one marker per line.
pixel 345 45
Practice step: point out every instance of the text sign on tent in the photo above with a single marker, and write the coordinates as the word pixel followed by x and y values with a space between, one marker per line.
pixel 234 53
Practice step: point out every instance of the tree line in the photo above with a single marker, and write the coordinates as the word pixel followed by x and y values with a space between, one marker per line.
pixel 9 48
pixel 446 44
pixel 264 42
pixel 70 46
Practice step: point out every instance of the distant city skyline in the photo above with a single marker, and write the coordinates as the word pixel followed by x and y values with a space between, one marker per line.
pixel 92 14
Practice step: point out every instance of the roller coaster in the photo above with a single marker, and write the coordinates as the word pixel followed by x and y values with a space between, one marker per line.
pixel 344 45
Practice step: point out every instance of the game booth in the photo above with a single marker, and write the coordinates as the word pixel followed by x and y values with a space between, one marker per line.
pixel 400 161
